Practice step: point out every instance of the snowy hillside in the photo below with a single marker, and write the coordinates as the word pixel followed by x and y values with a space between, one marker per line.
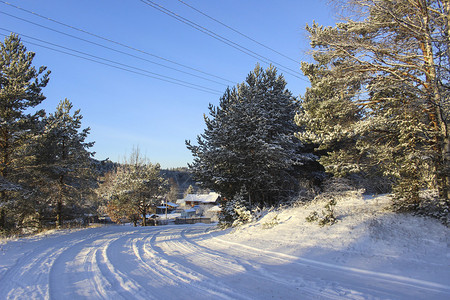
pixel 367 235
pixel 369 254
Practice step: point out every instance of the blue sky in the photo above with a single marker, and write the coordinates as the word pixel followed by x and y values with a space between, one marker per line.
pixel 125 109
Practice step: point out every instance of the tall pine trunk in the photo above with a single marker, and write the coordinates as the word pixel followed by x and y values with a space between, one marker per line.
pixel 434 109
pixel 59 204
pixel 3 172
pixel 2 211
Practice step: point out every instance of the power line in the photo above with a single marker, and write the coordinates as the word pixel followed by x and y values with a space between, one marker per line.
pixel 237 31
pixel 106 47
pixel 221 38
pixel 118 65
pixel 117 43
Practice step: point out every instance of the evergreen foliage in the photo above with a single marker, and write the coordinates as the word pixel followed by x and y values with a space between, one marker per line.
pixel 64 161
pixel 45 166
pixel 327 217
pixel 235 213
pixel 249 141
pixel 20 90
pixel 379 96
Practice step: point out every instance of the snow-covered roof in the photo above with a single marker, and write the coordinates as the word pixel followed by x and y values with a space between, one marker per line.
pixel 168 204
pixel 203 198
pixel 215 208
pixel 151 216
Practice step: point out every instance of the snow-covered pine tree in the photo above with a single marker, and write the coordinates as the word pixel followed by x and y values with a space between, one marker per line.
pixel 235 213
pixel 397 54
pixel 327 117
pixel 20 90
pixel 64 160
pixel 249 141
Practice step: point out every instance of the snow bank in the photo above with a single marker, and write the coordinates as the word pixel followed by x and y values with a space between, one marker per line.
pixel 367 235
pixel 370 253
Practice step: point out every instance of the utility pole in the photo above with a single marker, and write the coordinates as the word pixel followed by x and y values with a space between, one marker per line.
pixel 165 199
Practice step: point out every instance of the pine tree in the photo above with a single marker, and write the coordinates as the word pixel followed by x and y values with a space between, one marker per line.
pixel 327 117
pixel 20 90
pixel 64 159
pixel 235 213
pixel 391 66
pixel 249 140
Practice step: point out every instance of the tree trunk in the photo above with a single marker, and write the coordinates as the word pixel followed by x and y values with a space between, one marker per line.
pixel 144 219
pixel 434 110
pixel 445 180
pixel 59 220
pixel 5 147
pixel 2 218
pixel 59 204
pixel 3 172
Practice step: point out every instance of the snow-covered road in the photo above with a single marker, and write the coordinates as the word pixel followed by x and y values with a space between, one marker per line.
pixel 183 262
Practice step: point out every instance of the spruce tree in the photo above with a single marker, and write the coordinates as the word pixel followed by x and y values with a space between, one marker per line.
pixel 249 143
pixel 20 90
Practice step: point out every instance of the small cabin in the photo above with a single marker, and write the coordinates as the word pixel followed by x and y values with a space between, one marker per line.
pixel 170 208
pixel 192 200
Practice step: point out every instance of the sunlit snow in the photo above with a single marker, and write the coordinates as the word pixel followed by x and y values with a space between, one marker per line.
pixel 369 254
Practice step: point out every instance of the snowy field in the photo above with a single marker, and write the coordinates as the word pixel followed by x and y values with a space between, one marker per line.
pixel 369 254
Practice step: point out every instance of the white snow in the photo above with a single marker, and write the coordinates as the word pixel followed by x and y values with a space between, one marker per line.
pixel 370 253
pixel 202 198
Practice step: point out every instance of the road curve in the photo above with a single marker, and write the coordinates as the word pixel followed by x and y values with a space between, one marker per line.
pixel 182 262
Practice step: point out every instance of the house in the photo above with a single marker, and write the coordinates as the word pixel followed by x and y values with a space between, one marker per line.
pixel 188 213
pixel 192 200
pixel 213 213
pixel 152 219
pixel 170 207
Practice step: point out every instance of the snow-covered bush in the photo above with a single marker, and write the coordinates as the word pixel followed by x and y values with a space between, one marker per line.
pixel 334 190
pixel 235 213
pixel 327 217
pixel 271 223
pixel 427 203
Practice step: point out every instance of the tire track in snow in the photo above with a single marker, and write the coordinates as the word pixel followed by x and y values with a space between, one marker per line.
pixel 406 283
pixel 175 262
pixel 91 270
pixel 256 269
pixel 90 266
pixel 170 274
pixel 122 284
pixel 76 270
pixel 179 269
pixel 17 282
pixel 264 284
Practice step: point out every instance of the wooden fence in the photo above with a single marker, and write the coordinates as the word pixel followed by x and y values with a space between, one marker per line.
pixel 192 220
